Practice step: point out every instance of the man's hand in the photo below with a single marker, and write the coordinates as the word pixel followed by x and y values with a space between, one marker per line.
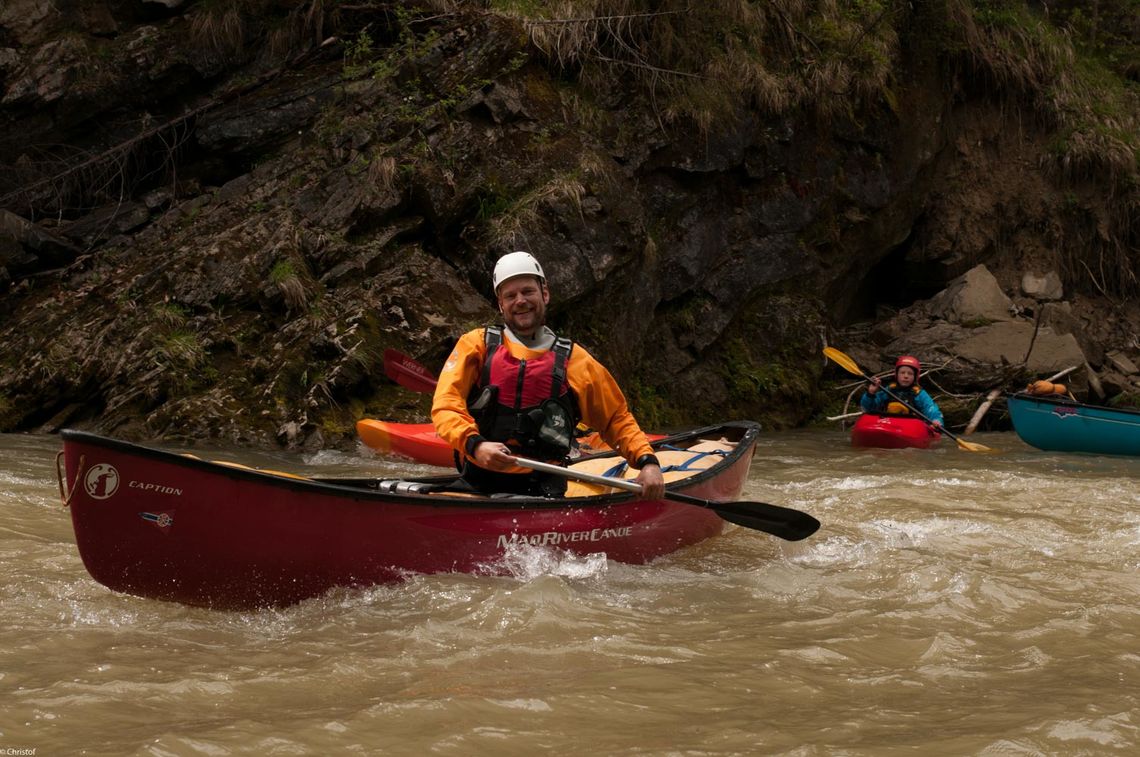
pixel 494 456
pixel 652 482
pixel 874 385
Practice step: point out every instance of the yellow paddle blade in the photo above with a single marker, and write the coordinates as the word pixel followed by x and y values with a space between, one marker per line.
pixel 973 446
pixel 843 360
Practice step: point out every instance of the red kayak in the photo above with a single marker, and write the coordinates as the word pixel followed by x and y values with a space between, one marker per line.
pixel 892 432
pixel 415 441
pixel 172 526
pixel 420 443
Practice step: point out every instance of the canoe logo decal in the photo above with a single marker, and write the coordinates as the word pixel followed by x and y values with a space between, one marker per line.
pixel 156 488
pixel 101 481
pixel 556 539
pixel 161 521
pixel 1063 410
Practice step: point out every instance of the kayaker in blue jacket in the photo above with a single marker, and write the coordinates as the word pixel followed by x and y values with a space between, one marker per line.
pixel 905 388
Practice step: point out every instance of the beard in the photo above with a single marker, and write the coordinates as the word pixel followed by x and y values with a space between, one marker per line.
pixel 526 323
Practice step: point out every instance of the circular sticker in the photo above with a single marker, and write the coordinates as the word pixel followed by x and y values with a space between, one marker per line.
pixel 101 481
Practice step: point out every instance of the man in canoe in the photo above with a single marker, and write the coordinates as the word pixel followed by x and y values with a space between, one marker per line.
pixel 517 389
pixel 905 387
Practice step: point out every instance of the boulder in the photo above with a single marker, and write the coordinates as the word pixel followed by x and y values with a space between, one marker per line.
pixel 1043 287
pixel 973 297
pixel 1114 383
pixel 1121 363
pixel 103 223
pixel 25 247
pixel 24 19
pixel 991 355
pixel 1009 342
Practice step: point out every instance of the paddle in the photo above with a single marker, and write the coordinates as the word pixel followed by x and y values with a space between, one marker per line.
pixel 783 522
pixel 846 363
pixel 408 373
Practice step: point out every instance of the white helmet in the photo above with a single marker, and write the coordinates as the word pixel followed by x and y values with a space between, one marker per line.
pixel 516 264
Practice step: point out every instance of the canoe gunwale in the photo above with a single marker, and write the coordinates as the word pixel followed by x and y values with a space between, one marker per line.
pixel 357 488
pixel 1067 402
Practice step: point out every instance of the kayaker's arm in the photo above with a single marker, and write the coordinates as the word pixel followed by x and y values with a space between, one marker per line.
pixel 449 414
pixel 928 407
pixel 604 408
pixel 874 402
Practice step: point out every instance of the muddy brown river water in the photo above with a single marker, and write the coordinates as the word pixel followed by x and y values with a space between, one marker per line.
pixel 952 603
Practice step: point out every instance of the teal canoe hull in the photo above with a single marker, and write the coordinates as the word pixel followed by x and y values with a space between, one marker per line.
pixel 1061 425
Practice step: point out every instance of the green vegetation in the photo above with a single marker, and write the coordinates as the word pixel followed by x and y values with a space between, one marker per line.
pixel 289 281
pixel 1125 401
pixel 282 271
pixel 182 349
pixel 508 218
pixel 652 410
pixel 235 30
pixel 170 315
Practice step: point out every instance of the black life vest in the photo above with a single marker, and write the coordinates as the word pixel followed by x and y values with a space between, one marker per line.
pixel 526 404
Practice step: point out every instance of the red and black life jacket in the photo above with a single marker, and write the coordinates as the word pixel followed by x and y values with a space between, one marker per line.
pixel 526 404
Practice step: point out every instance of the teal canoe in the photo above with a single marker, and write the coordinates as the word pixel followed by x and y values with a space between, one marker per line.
pixel 1062 425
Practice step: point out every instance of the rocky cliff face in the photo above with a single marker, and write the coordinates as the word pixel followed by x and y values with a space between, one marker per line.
pixel 213 225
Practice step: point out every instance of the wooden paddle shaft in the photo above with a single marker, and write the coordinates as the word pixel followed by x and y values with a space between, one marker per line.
pixel 558 470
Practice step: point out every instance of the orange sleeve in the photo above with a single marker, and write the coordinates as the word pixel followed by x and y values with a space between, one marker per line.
pixel 449 411
pixel 603 405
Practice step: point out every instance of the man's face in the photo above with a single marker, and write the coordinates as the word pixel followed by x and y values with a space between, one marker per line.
pixel 523 301
pixel 905 375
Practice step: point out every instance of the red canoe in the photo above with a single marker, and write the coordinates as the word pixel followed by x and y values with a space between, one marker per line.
pixel 172 526
pixel 892 432
pixel 420 443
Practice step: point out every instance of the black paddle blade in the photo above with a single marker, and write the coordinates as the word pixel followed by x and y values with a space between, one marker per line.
pixel 784 522
pixel 790 525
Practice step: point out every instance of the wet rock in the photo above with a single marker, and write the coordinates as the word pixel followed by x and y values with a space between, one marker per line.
pixel 106 222
pixel 158 199
pixel 504 104
pixel 46 77
pixel 25 247
pixel 9 57
pixel 26 19
pixel 251 124
pixel 290 433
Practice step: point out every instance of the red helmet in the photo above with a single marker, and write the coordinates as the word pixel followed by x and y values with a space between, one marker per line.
pixel 910 361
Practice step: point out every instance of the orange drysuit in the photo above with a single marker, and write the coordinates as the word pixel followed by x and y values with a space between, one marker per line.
pixel 601 404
